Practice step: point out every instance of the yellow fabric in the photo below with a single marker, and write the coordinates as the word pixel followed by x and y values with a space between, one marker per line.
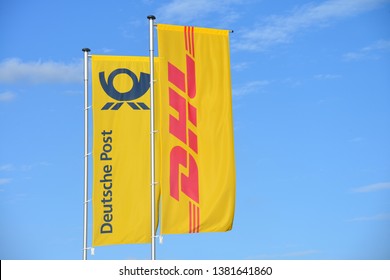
pixel 196 130
pixel 121 150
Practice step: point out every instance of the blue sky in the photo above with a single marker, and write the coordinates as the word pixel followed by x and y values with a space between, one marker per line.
pixel 311 105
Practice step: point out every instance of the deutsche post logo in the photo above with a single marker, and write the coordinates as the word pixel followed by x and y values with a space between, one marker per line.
pixel 139 88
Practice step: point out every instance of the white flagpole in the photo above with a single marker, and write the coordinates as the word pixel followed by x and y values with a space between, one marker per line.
pixel 151 19
pixel 85 231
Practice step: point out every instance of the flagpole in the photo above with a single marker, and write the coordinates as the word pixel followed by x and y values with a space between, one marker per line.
pixel 151 19
pixel 85 228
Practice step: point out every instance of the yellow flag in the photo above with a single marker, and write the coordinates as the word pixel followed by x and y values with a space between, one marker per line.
pixel 196 130
pixel 121 198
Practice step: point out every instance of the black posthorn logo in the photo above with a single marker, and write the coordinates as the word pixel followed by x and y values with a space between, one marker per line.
pixel 139 88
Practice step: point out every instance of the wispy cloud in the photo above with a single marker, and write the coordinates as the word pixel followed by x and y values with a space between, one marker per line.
pixel 372 188
pixel 292 82
pixel 356 139
pixel 279 29
pixel 240 66
pixel 327 76
pixel 185 11
pixel 29 167
pixel 250 87
pixel 24 167
pixel 15 70
pixel 5 181
pixel 7 96
pixel 6 167
pixel 371 51
pixel 107 50
pixel 379 217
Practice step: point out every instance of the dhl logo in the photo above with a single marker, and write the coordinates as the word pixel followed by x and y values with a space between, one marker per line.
pixel 182 90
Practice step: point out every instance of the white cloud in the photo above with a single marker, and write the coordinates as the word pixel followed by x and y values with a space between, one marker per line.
pixel 240 66
pixel 292 82
pixel 379 217
pixel 378 45
pixel 7 96
pixel 373 188
pixel 281 29
pixel 327 76
pixel 6 167
pixel 15 70
pixel 185 11
pixel 250 87
pixel 371 51
pixel 29 167
pixel 357 139
pixel 4 181
pixel 107 50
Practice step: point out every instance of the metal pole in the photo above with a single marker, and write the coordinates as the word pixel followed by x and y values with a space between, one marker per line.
pixel 85 231
pixel 151 19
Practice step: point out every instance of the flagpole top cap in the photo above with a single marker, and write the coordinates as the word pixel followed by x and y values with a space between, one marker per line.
pixel 86 50
pixel 151 17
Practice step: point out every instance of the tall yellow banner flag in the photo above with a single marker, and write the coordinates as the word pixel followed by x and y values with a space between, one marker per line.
pixel 196 130
pixel 121 199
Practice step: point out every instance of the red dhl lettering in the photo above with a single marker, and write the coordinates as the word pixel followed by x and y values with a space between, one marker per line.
pixel 178 127
pixel 189 184
pixel 180 157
